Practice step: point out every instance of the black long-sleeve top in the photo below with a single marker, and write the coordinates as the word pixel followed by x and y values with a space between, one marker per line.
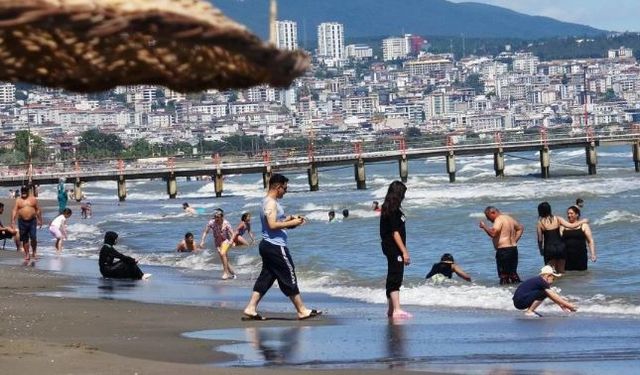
pixel 107 256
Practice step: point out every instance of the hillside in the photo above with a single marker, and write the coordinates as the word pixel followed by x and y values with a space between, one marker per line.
pixel 375 18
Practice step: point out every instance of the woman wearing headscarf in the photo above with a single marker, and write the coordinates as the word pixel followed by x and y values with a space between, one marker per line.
pixel 115 265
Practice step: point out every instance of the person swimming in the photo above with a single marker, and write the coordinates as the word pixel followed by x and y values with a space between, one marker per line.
pixel 188 209
pixel 332 216
pixel 445 269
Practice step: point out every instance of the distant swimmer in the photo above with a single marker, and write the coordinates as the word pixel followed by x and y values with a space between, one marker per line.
pixel 222 240
pixel 332 216
pixel 445 269
pixel 115 265
pixel 243 227
pixel 9 232
pixel 188 209
pixel 580 203
pixel 531 293
pixel 187 244
pixel 58 228
pixel 505 234
pixel 375 206
pixel 345 214
pixel 27 214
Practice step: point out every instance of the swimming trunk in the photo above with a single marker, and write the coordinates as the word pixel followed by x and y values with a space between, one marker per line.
pixel 28 229
pixel 507 265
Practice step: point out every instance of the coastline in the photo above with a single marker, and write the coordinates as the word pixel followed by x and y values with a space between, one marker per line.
pixel 57 335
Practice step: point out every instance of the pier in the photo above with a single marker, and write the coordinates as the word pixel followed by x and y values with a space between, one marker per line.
pixel 169 169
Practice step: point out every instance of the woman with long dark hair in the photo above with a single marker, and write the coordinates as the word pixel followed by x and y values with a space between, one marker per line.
pixel 394 239
pixel 549 240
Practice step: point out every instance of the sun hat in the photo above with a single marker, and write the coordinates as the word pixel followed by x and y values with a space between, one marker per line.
pixel 548 270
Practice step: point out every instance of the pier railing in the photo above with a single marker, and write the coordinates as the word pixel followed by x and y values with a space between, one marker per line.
pixel 391 148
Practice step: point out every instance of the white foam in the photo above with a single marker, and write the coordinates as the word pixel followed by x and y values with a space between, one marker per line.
pixel 459 294
pixel 616 216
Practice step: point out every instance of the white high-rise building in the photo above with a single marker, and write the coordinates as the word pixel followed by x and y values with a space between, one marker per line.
pixel 287 35
pixel 396 48
pixel 7 93
pixel 331 42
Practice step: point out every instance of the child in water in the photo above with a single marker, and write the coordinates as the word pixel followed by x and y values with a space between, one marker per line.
pixel 445 269
pixel 58 228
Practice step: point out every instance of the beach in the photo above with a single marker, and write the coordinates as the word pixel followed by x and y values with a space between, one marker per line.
pixel 52 335
pixel 185 318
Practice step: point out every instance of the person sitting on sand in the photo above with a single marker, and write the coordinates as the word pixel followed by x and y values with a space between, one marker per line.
pixel 533 291
pixel 8 232
pixel 187 244
pixel 243 227
pixel 125 268
pixel 445 269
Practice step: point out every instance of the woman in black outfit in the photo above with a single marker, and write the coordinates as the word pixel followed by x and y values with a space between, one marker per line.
pixel 576 241
pixel 394 239
pixel 124 268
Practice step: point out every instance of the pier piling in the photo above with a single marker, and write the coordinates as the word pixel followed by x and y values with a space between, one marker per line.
pixel 545 161
pixel 361 179
pixel 312 174
pixel 498 162
pixel 77 190
pixel 636 155
pixel 451 166
pixel 403 165
pixel 122 188
pixel 266 176
pixel 172 186
pixel 592 158
pixel 218 182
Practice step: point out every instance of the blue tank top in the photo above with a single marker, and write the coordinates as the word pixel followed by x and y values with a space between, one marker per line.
pixel 277 237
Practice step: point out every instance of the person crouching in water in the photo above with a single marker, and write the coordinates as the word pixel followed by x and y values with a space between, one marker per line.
pixel 445 269
pixel 58 228
pixel 531 293
pixel 125 268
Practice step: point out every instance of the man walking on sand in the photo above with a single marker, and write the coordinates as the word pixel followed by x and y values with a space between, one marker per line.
pixel 505 233
pixel 276 260
pixel 29 216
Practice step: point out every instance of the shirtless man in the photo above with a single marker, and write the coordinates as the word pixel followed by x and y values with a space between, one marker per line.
pixel 28 215
pixel 187 245
pixel 505 233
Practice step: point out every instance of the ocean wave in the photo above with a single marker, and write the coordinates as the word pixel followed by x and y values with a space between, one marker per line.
pixel 458 294
pixel 616 216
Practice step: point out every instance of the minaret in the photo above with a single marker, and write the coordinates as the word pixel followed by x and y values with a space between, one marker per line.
pixel 273 15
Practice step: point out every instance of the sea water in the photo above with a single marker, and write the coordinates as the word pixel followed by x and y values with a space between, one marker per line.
pixel 343 259
pixel 342 271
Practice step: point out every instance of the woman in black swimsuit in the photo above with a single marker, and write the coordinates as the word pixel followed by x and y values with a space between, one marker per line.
pixel 549 241
pixel 576 241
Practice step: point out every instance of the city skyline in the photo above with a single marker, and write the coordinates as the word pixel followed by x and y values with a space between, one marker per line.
pixel 595 13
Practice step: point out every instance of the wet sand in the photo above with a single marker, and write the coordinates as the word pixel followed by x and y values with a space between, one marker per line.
pixel 54 335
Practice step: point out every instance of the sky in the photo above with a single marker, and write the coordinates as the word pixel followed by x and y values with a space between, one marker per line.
pixel 611 15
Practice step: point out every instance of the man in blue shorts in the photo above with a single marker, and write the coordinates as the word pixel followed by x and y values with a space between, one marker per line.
pixel 277 263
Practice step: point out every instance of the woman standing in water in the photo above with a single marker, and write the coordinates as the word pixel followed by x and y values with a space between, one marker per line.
pixel 549 241
pixel 393 239
pixel 576 241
